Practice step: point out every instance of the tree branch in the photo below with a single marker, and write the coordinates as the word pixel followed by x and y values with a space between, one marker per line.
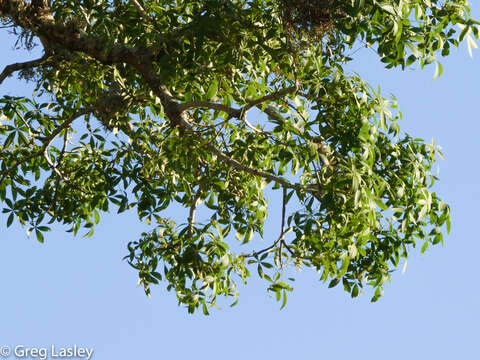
pixel 236 113
pixel 142 11
pixel 193 208
pixel 46 143
pixel 33 133
pixel 281 237
pixel 10 69
pixel 239 166
pixel 41 22
pixel 282 226
pixel 273 96
pixel 139 58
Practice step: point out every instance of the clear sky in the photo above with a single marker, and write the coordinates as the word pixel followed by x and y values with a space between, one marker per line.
pixel 79 291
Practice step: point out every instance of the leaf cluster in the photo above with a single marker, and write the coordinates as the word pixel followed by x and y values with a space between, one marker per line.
pixel 211 109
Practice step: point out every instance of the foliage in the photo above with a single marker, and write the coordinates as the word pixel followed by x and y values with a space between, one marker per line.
pixel 212 105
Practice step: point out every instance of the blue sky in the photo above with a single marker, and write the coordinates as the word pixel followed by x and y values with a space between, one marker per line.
pixel 79 291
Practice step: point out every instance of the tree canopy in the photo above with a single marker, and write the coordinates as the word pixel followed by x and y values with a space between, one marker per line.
pixel 216 106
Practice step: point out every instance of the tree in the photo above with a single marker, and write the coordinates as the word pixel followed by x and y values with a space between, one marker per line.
pixel 212 104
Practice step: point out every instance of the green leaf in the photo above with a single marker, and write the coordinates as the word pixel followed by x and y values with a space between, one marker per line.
pixel 334 283
pixel 414 49
pixel 10 219
pixel 212 90
pixel 355 291
pixel 284 301
pixel 39 235
pixel 424 247
pixel 205 309
pixel 380 204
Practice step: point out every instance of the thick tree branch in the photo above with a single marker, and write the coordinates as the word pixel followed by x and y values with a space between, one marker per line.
pixel 41 22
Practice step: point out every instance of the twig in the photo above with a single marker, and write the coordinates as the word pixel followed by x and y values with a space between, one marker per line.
pixel 210 105
pixel 52 205
pixel 46 156
pixel 281 236
pixel 232 112
pixel 288 248
pixel 193 209
pixel 272 112
pixel 60 157
pixel 33 133
pixel 273 96
pixel 267 249
pixel 46 142
pixel 282 231
pixel 239 166
pixel 256 253
pixel 64 149
pixel 243 117
pixel 142 11
pixel 240 113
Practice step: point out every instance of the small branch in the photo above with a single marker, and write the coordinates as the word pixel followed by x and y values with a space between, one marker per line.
pixel 193 209
pixel 236 113
pixel 64 149
pixel 46 156
pixel 253 128
pixel 268 249
pixel 243 117
pixel 46 143
pixel 288 248
pixel 281 237
pixel 256 253
pixel 33 133
pixel 296 110
pixel 241 113
pixel 282 226
pixel 52 206
pixel 272 112
pixel 239 166
pixel 273 96
pixel 142 11
pixel 59 160
pixel 10 69
pixel 284 207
